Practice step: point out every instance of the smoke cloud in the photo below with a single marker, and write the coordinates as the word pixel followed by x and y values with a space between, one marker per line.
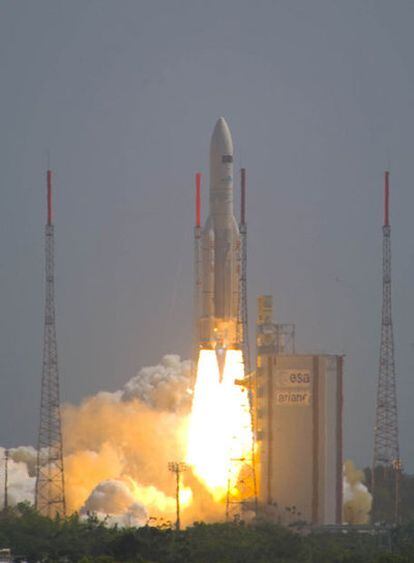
pixel 357 498
pixel 114 498
pixel 118 445
pixel 21 475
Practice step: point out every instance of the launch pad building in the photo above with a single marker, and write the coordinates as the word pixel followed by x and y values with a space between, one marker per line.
pixel 299 429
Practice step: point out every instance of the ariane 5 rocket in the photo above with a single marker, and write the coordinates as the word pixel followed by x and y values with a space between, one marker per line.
pixel 218 265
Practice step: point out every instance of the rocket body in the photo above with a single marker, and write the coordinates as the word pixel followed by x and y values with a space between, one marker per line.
pixel 220 249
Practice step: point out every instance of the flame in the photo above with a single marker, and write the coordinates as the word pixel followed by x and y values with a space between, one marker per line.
pixel 220 434
pixel 157 500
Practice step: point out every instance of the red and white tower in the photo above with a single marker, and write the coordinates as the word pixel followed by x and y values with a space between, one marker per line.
pixel 386 465
pixel 50 484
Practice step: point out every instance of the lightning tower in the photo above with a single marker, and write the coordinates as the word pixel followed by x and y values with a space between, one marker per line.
pixel 197 274
pixel 247 483
pixel 386 465
pixel 50 485
pixel 243 273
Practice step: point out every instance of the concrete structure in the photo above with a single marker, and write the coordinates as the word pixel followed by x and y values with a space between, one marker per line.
pixel 299 429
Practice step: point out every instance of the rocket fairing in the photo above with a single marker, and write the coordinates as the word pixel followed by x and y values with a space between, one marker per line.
pixel 220 250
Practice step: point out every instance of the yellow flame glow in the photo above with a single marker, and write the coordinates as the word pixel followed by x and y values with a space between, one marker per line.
pixel 220 434
pixel 157 500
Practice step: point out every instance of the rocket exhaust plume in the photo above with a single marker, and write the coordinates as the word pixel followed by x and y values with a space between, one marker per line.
pixel 220 426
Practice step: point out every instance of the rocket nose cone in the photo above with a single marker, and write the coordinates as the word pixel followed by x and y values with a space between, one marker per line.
pixel 221 141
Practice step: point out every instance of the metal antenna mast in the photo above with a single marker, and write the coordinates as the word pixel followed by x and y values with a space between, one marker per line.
pixel 6 480
pixel 243 272
pixel 386 461
pixel 177 467
pixel 50 486
pixel 197 275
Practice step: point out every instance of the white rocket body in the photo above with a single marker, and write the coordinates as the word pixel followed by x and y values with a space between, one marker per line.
pixel 220 249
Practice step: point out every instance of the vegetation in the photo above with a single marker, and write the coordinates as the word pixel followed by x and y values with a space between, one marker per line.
pixel 36 538
pixel 384 510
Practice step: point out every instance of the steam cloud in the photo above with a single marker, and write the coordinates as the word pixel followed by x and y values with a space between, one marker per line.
pixel 117 447
pixel 114 498
pixel 357 498
pixel 21 475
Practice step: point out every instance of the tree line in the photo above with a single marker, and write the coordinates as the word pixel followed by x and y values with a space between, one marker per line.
pixel 32 537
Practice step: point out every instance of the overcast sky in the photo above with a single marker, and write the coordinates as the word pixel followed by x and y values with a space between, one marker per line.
pixel 319 96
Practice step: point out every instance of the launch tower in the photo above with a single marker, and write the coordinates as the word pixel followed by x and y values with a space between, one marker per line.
pixel 386 464
pixel 50 485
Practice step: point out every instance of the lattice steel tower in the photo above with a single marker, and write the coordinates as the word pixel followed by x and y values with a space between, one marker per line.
pixel 244 497
pixel 197 278
pixel 50 483
pixel 386 460
pixel 243 273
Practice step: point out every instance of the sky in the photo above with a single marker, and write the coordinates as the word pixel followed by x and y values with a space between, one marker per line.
pixel 121 98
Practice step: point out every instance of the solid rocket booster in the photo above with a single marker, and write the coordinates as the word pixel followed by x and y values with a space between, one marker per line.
pixel 220 248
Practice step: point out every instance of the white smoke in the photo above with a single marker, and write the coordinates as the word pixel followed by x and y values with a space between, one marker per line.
pixel 27 455
pixel 163 387
pixel 114 498
pixel 21 470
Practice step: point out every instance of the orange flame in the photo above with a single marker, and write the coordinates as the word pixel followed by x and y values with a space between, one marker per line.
pixel 158 501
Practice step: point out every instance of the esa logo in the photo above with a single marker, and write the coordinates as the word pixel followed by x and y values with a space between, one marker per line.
pixel 299 378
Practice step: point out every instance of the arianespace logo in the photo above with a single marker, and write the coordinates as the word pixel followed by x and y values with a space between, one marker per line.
pixel 298 398
pixel 226 180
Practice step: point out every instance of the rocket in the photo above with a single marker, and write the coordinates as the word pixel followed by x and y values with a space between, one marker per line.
pixel 219 275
